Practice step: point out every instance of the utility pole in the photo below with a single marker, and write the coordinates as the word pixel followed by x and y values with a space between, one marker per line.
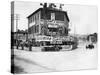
pixel 16 20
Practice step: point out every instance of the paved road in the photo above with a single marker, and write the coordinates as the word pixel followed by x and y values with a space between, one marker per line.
pixel 32 61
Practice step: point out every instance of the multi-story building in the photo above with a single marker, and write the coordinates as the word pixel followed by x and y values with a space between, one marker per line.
pixel 48 21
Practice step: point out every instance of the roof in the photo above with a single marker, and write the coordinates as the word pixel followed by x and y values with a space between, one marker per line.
pixel 51 9
pixel 35 12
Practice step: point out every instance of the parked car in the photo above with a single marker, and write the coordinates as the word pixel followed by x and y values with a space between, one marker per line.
pixel 90 46
pixel 52 48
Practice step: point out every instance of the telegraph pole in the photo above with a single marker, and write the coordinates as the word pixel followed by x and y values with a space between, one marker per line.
pixel 16 20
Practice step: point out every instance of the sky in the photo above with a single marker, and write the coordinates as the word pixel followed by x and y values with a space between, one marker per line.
pixel 83 18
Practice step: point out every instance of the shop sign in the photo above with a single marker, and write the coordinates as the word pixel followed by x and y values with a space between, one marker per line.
pixel 43 38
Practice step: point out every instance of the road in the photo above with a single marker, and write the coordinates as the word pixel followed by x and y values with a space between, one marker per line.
pixel 80 58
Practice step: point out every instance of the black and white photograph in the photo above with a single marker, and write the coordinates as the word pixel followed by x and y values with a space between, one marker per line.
pixel 53 37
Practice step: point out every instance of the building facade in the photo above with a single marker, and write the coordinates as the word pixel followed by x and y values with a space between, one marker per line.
pixel 48 21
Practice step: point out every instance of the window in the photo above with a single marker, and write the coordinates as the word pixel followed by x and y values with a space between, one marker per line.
pixel 52 16
pixel 33 28
pixel 35 17
pixel 29 20
pixel 46 15
pixel 32 18
pixel 37 28
pixel 42 15
pixel 38 16
pixel 59 16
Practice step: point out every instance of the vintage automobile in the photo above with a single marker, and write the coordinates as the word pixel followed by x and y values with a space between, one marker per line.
pixel 90 46
pixel 52 48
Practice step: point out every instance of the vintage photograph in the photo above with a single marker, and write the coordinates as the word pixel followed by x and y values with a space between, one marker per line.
pixel 53 37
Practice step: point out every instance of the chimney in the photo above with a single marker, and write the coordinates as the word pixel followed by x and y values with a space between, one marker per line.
pixel 61 6
pixel 45 5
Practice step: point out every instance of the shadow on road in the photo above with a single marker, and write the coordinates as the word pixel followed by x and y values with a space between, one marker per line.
pixel 15 69
pixel 34 63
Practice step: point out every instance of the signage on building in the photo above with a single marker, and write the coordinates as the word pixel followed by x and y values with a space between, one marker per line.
pixel 43 38
pixel 52 23
pixel 50 38
pixel 52 16
pixel 53 26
